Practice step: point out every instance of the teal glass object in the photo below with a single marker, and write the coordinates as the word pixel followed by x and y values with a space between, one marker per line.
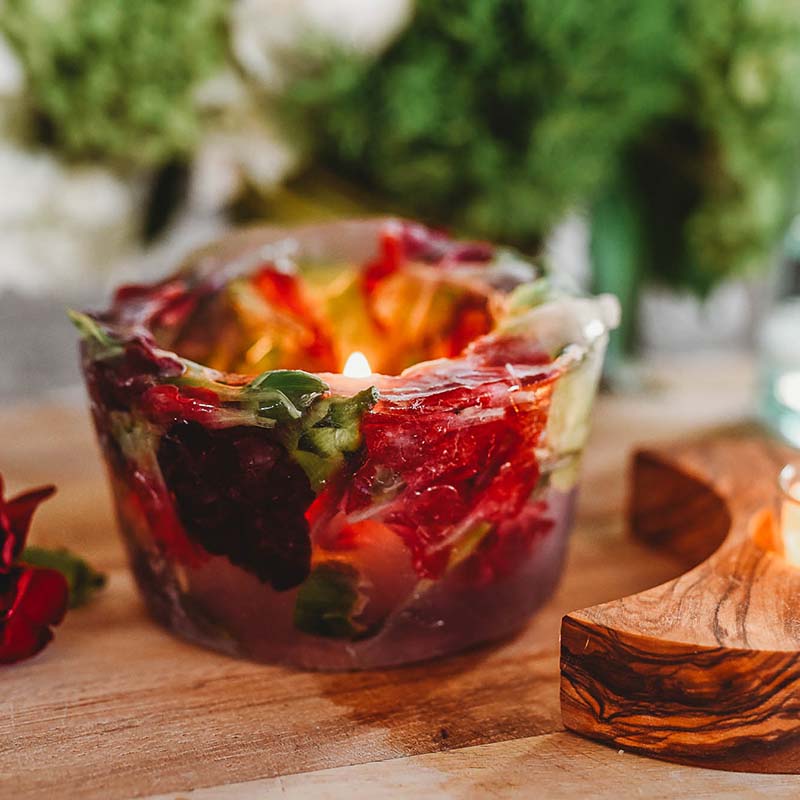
pixel 779 344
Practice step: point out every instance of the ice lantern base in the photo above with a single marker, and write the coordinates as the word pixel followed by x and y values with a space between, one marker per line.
pixel 277 509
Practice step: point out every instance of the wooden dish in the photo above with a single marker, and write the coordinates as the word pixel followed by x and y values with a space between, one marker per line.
pixel 704 669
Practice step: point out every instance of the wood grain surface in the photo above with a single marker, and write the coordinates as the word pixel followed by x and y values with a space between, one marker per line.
pixel 117 708
pixel 705 668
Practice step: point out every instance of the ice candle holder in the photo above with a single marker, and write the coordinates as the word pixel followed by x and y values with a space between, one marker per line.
pixel 277 508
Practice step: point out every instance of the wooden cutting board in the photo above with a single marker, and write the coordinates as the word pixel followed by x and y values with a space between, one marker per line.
pixel 117 708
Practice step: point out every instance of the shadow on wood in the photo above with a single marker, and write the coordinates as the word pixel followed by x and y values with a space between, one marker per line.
pixel 704 669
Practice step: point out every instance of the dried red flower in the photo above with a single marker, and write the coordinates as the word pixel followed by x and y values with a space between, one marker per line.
pixel 15 519
pixel 32 599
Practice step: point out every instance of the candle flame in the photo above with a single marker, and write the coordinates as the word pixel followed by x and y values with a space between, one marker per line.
pixel 357 365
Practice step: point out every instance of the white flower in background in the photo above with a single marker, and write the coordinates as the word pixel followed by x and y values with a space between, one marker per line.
pixel 12 87
pixel 227 158
pixel 59 224
pixel 265 31
pixel 362 25
pixel 27 179
pixel 12 76
pixel 239 145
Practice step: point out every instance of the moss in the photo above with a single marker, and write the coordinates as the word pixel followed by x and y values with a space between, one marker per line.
pixel 115 80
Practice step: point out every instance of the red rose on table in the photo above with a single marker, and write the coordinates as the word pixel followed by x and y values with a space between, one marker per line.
pixel 32 599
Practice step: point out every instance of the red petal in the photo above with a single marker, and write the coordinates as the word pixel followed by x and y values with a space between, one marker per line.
pixel 38 600
pixel 19 640
pixel 41 596
pixel 6 540
pixel 15 519
pixel 8 544
pixel 166 403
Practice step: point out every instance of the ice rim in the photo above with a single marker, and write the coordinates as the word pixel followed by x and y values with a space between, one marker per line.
pixel 563 320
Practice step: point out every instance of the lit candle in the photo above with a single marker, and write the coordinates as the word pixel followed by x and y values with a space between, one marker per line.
pixel 790 512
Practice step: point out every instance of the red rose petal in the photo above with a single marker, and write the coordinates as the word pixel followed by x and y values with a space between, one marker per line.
pixel 15 519
pixel 41 596
pixel 33 600
pixel 19 640
pixel 461 441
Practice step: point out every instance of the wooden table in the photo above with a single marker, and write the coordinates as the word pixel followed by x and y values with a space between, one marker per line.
pixel 117 708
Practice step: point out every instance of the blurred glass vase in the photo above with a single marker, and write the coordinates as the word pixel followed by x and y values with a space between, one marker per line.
pixel 780 359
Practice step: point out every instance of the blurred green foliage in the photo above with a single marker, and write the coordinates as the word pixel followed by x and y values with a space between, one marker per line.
pixel 493 115
pixel 674 124
pixel 496 117
pixel 114 79
pixel 715 183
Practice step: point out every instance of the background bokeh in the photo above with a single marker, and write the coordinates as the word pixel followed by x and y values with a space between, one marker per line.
pixel 649 148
